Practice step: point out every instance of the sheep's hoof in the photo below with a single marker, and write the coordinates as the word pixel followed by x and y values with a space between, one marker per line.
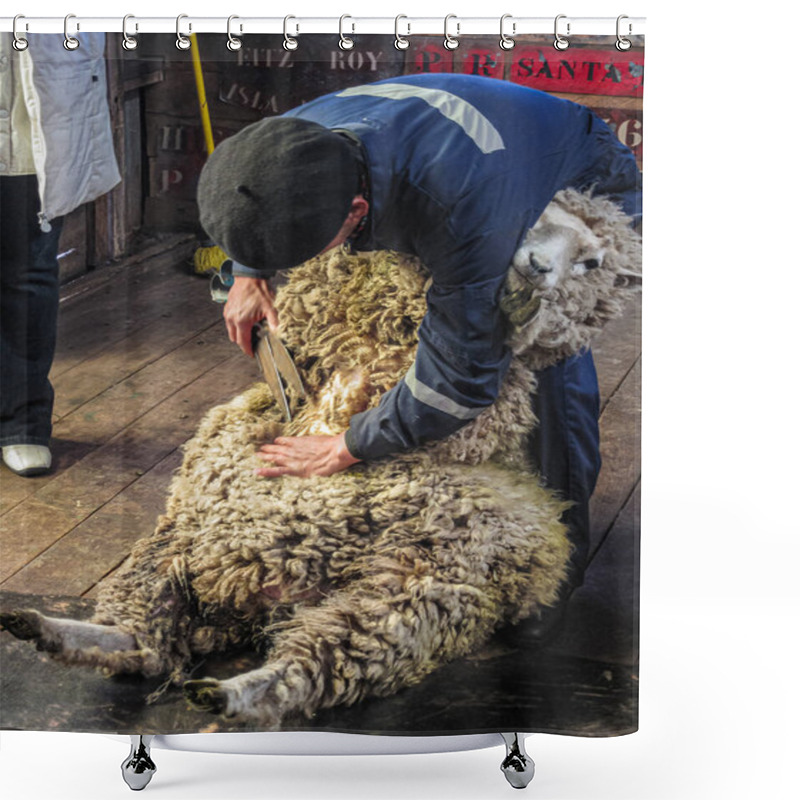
pixel 206 694
pixel 27 625
pixel 518 766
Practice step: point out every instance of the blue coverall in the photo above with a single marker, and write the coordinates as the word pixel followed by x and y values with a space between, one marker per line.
pixel 459 168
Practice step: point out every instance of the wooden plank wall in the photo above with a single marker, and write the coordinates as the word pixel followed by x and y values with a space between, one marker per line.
pixel 262 80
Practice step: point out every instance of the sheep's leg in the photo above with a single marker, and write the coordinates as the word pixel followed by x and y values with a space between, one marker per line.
pixel 367 640
pixel 142 621
pixel 151 598
pixel 246 696
pixel 76 642
pixel 56 635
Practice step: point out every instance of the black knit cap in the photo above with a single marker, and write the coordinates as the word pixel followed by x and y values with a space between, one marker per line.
pixel 276 193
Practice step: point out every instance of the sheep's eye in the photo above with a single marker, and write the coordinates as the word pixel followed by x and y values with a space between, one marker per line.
pixel 591 263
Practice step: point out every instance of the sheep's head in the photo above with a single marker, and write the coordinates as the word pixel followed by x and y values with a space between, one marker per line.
pixel 559 245
pixel 572 273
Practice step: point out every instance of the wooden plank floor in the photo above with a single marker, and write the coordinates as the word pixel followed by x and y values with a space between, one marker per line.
pixel 500 688
pixel 142 355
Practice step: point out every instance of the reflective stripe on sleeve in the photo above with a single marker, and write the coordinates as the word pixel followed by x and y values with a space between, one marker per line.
pixel 435 399
pixel 455 108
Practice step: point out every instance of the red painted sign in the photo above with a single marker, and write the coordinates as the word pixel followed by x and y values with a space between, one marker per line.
pixel 579 70
pixel 627 125
pixel 428 56
pixel 483 61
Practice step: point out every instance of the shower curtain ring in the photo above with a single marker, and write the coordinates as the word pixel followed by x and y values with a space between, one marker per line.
pixel 345 42
pixel 451 42
pixel 561 42
pixel 70 42
pixel 400 42
pixel 20 43
pixel 623 44
pixel 233 43
pixel 129 42
pixel 182 42
pixel 507 42
pixel 289 43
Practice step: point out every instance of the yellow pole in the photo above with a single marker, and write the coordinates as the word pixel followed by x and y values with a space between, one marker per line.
pixel 206 259
pixel 201 94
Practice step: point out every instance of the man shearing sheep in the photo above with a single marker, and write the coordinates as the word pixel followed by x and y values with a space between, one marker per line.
pixel 453 169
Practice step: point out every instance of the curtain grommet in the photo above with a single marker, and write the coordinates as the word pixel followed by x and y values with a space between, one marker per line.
pixel 345 42
pixel 400 42
pixel 19 43
pixel 451 42
pixel 561 43
pixel 129 42
pixel 507 42
pixel 234 43
pixel 182 42
pixel 289 42
pixel 70 42
pixel 622 44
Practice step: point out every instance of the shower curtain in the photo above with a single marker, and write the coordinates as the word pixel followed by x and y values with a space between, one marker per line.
pixel 472 568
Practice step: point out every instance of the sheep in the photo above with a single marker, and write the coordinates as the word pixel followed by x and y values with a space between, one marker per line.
pixel 364 582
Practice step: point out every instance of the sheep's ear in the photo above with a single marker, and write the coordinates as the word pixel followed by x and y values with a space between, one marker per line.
pixel 626 278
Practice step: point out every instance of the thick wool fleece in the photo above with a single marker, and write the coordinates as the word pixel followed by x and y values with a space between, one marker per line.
pixel 365 581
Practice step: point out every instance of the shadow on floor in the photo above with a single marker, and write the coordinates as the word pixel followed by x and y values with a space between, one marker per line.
pixel 499 688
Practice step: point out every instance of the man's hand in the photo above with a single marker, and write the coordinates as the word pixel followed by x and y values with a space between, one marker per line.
pixel 249 301
pixel 305 456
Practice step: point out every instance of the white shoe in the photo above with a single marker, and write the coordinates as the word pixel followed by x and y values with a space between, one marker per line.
pixel 27 459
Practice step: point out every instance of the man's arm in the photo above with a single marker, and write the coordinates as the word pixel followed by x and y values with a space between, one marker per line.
pixel 610 168
pixel 460 362
pixel 449 384
pixel 457 373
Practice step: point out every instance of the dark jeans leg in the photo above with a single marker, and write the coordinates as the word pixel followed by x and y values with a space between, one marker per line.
pixel 566 445
pixel 28 312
